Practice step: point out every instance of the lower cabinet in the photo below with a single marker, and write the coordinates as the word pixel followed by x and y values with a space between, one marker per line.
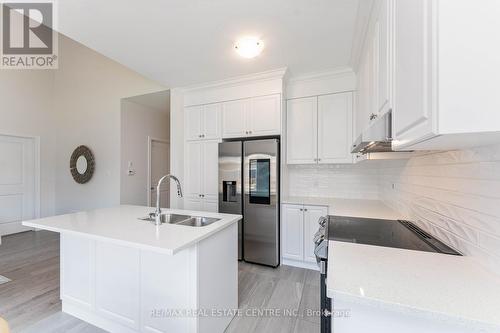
pixel 202 175
pixel 299 224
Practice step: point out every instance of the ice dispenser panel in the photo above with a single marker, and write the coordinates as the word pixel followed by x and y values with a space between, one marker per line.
pixel 229 191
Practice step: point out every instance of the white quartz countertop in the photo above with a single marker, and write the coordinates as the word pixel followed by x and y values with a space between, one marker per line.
pixel 348 207
pixel 449 288
pixel 121 225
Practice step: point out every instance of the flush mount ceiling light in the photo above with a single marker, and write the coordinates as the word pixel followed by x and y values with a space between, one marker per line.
pixel 249 47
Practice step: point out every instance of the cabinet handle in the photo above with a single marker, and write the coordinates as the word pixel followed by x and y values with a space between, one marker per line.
pixel 305 209
pixel 319 159
pixel 301 210
pixel 203 135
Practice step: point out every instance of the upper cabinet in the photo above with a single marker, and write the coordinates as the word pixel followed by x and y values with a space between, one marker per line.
pixel 374 93
pixel 335 128
pixel 302 130
pixel 203 122
pixel 257 116
pixel 319 129
pixel 234 115
pixel 264 117
pixel 413 110
pixel 435 73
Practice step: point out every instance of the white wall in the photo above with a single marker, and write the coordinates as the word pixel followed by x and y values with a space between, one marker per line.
pixel 454 195
pixel 333 181
pixel 26 98
pixel 88 89
pixel 137 123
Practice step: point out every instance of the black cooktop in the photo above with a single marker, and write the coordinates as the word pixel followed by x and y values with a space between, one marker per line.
pixel 389 233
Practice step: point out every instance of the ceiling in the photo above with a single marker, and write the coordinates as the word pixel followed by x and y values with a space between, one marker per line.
pixel 184 42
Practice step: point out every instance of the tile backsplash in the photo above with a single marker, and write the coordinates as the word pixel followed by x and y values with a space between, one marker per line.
pixel 337 181
pixel 454 195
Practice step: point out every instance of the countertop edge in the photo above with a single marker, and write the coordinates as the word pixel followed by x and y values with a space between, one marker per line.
pixel 476 325
pixel 140 246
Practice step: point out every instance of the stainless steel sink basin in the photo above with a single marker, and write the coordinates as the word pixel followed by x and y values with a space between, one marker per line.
pixel 168 218
pixel 192 221
pixel 198 221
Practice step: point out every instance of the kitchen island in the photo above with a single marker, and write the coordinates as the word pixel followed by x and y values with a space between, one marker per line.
pixel 125 275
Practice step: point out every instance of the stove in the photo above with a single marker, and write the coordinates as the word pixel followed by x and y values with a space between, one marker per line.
pixel 399 234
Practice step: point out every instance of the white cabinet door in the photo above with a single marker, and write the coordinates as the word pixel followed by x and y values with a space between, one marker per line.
pixel 264 115
pixel 193 163
pixel 311 217
pixel 335 128
pixel 361 115
pixel 211 127
pixel 193 122
pixel 382 39
pixel 117 296
pixel 210 170
pixel 193 202
pixel 77 276
pixel 302 125
pixel 210 206
pixel 234 118
pixel 293 232
pixel 413 64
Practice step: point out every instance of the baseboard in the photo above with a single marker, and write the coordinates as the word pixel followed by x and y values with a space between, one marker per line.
pixel 301 264
pixel 93 319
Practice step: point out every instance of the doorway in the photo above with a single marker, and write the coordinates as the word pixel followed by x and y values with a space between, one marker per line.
pixel 159 165
pixel 144 147
pixel 19 197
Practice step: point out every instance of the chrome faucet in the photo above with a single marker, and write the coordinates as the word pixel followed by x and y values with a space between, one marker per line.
pixel 157 212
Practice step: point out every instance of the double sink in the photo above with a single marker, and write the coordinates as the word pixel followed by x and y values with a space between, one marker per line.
pixel 191 221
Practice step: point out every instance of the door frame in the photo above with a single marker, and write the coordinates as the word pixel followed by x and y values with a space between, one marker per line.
pixel 150 142
pixel 37 182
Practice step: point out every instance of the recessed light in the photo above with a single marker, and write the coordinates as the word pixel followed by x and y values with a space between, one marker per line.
pixel 249 47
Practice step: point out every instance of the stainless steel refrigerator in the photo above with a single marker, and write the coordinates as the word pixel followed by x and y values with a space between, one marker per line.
pixel 249 185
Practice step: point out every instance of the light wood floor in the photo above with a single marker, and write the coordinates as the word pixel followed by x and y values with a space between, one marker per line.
pixel 30 302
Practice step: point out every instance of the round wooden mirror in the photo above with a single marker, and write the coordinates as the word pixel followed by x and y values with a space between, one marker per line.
pixel 82 164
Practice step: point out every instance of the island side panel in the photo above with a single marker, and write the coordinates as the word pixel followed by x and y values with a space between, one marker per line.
pixel 117 283
pixel 77 270
pixel 123 289
pixel 218 278
pixel 168 286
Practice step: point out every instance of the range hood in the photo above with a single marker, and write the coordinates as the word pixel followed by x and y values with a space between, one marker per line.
pixel 377 138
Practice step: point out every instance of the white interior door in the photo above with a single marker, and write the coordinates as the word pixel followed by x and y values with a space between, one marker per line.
pixel 160 166
pixel 17 183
